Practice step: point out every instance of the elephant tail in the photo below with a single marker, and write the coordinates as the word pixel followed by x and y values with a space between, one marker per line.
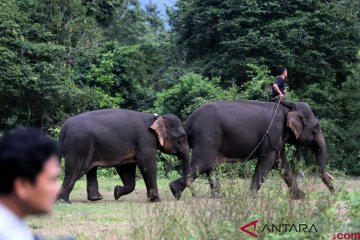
pixel 188 131
pixel 61 140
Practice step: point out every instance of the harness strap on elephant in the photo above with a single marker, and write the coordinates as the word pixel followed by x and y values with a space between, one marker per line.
pixel 267 134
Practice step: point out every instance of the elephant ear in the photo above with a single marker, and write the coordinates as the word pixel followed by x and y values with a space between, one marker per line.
pixel 159 126
pixel 295 122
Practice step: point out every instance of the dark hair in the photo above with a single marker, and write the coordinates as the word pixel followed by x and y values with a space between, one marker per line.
pixel 23 153
pixel 280 70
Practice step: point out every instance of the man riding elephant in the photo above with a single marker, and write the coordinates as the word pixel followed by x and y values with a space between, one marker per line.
pixel 278 88
pixel 252 129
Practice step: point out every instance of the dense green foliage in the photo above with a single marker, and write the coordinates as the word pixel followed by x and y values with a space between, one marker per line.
pixel 60 58
pixel 191 92
pixel 314 39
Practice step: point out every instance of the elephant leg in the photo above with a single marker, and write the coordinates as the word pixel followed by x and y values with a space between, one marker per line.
pixel 289 177
pixel 73 171
pixel 203 160
pixel 93 185
pixel 127 175
pixel 147 164
pixel 214 184
pixel 263 166
pixel 67 186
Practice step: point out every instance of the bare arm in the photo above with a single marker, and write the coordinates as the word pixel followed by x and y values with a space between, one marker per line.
pixel 277 89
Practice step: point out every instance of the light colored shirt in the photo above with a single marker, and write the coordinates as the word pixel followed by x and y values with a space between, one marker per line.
pixel 12 227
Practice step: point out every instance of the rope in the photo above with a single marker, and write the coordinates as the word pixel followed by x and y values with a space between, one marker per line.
pixel 266 134
pixel 257 146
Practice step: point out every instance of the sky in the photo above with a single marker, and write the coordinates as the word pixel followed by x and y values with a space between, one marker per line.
pixel 160 4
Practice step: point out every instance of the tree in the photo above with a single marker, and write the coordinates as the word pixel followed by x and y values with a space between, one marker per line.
pixel 313 39
pixel 350 100
pixel 191 92
pixel 125 72
pixel 317 41
pixel 35 83
pixel 153 19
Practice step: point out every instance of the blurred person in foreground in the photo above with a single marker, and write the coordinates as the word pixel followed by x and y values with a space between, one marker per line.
pixel 29 168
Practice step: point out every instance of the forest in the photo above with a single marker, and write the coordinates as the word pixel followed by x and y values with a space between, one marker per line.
pixel 59 58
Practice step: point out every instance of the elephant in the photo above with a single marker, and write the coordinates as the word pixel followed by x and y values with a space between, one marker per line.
pixel 122 139
pixel 225 131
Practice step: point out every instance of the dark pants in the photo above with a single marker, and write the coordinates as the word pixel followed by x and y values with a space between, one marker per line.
pixel 274 99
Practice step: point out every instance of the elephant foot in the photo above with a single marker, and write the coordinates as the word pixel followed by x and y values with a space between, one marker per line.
pixel 118 192
pixel 93 194
pixel 215 194
pixel 61 199
pixel 153 195
pixel 154 199
pixel 96 197
pixel 175 190
pixel 298 195
pixel 253 193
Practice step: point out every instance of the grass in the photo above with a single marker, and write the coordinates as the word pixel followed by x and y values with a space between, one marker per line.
pixel 132 217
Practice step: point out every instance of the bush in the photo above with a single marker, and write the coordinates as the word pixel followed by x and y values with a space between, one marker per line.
pixel 191 92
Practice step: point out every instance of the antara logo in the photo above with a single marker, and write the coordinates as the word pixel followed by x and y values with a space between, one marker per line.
pixel 284 227
pixel 253 223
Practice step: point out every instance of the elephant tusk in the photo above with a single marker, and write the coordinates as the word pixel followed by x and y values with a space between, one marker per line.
pixel 331 177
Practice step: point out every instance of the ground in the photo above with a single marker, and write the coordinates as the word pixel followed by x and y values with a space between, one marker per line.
pixel 133 217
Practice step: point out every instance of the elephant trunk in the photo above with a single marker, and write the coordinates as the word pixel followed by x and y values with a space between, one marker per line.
pixel 185 164
pixel 321 159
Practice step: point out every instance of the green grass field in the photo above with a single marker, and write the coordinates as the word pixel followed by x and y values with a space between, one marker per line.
pixel 201 217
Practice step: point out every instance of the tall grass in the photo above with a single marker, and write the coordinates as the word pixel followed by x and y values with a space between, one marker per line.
pixel 203 217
